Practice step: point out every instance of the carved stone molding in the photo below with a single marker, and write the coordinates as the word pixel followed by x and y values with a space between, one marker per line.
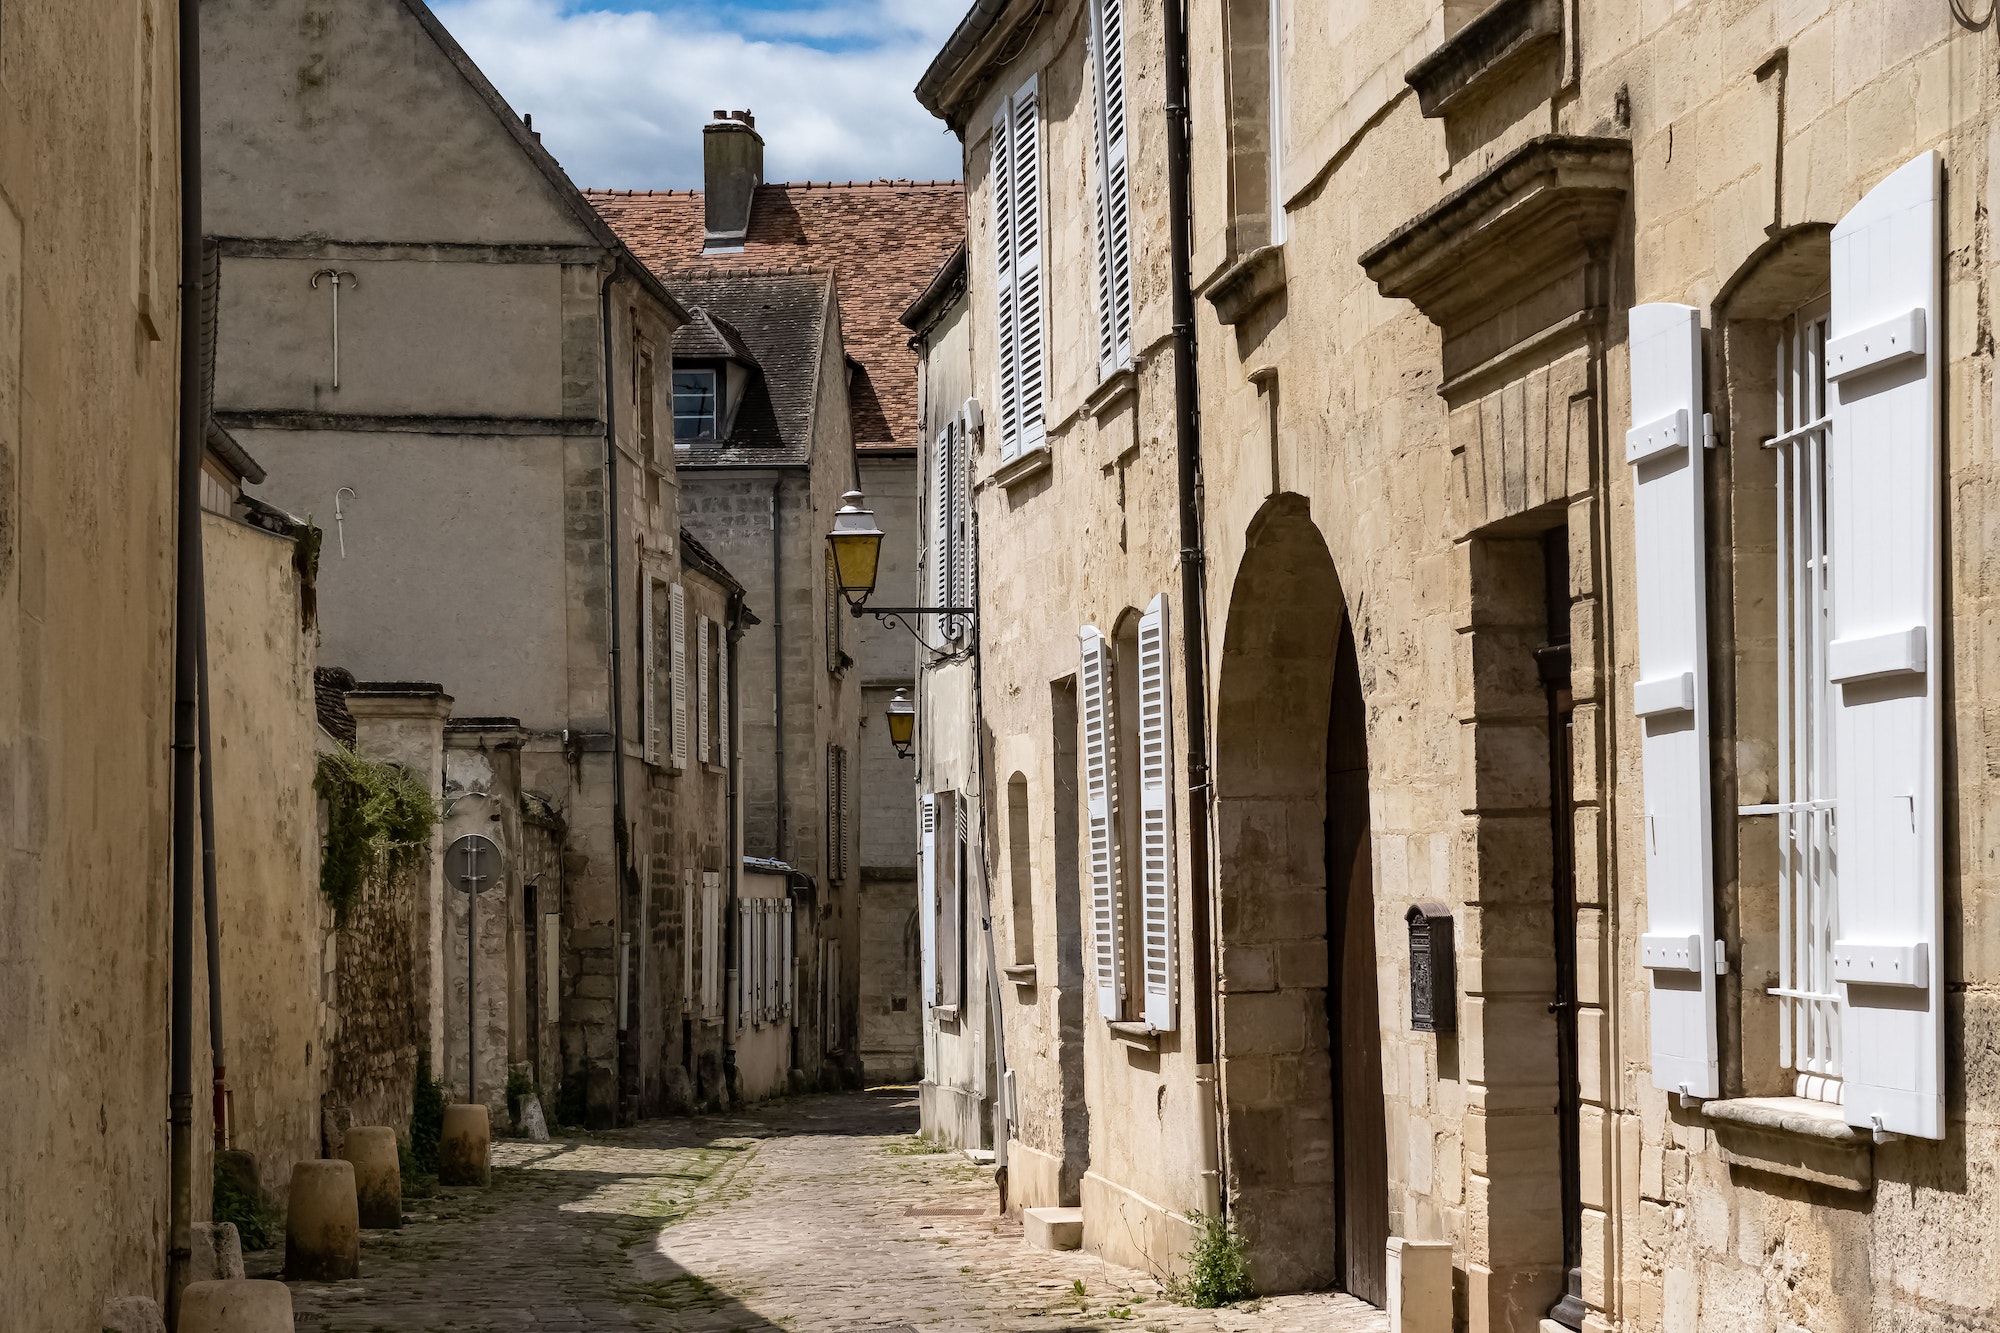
pixel 1484 53
pixel 1507 259
pixel 1247 285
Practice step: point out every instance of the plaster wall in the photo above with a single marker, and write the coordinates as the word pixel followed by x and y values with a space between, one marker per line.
pixel 88 318
pixel 278 939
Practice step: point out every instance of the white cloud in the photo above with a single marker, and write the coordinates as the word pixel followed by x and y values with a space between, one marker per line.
pixel 620 98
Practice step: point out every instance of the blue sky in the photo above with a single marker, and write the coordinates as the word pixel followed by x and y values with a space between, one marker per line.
pixel 621 88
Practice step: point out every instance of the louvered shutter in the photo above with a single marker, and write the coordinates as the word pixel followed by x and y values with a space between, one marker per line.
pixel 1882 359
pixel 744 975
pixel 1030 336
pixel 790 958
pixel 711 939
pixel 722 694
pixel 1005 291
pixel 701 688
pixel 927 875
pixel 1100 786
pixel 942 494
pixel 1159 894
pixel 948 931
pixel 649 647
pixel 677 632
pixel 1114 207
pixel 687 940
pixel 774 960
pixel 962 554
pixel 1671 696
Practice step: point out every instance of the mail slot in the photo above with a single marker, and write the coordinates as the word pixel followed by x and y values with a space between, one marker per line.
pixel 1433 969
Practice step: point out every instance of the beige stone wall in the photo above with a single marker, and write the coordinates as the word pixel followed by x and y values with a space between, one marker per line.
pixel 88 321
pixel 278 939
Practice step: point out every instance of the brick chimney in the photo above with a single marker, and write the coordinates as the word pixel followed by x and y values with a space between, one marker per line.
pixel 732 154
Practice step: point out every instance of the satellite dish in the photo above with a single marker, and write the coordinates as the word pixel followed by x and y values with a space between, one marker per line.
pixel 473 862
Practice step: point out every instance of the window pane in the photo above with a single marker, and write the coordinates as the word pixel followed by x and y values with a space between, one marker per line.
pixel 694 405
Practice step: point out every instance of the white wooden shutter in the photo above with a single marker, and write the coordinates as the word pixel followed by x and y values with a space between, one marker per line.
pixel 688 923
pixel 927 883
pixel 1100 785
pixel 1005 292
pixel 942 494
pixel 1114 209
pixel 649 694
pixel 1158 892
pixel 1883 352
pixel 711 939
pixel 702 687
pixel 1671 696
pixel 744 973
pixel 774 957
pixel 791 962
pixel 962 554
pixel 722 695
pixel 1029 298
pixel 677 632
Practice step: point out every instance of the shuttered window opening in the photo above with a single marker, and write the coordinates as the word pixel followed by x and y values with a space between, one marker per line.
pixel 677 638
pixel 1018 279
pixel 654 697
pixel 1670 697
pixel 1114 209
pixel 1158 894
pixel 1883 354
pixel 944 877
pixel 702 689
pixel 711 943
pixel 722 695
pixel 1100 783
pixel 950 557
pixel 1808 909
pixel 689 923
pixel 1277 126
pixel 745 971
pixel 788 959
pixel 837 797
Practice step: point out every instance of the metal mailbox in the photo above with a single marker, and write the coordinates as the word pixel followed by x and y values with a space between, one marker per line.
pixel 1433 969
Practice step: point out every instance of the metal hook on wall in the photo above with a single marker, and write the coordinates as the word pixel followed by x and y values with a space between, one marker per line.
pixel 338 276
pixel 340 518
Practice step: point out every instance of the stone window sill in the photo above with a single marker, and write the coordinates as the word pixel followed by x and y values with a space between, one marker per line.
pixel 1478 56
pixel 1247 285
pixel 1793 1137
pixel 1143 1036
pixel 1116 387
pixel 1021 975
pixel 1018 469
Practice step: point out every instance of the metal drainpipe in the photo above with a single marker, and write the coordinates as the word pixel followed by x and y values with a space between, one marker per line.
pixel 187 703
pixel 621 842
pixel 778 659
pixel 733 636
pixel 1194 599
pixel 210 905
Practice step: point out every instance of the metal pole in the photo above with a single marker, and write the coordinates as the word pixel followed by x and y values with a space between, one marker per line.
pixel 471 972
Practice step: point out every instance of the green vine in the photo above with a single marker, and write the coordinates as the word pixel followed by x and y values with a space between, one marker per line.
pixel 377 816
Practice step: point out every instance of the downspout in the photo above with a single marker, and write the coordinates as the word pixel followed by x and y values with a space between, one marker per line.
pixel 1194 598
pixel 187 663
pixel 627 1039
pixel 1003 1129
pixel 210 906
pixel 778 660
pixel 734 636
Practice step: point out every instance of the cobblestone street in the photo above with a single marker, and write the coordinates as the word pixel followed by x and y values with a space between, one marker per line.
pixel 820 1215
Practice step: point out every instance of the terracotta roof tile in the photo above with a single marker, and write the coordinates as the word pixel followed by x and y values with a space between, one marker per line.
pixel 883 240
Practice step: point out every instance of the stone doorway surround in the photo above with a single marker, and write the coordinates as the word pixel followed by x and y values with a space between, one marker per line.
pixel 1518 269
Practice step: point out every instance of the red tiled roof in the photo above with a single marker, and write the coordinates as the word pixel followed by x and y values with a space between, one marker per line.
pixel 883 240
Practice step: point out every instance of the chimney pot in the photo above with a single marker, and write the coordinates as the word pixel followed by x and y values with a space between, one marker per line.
pixel 732 169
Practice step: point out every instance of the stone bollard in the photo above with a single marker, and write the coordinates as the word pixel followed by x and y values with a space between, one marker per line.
pixel 323 1223
pixel 217 1253
pixel 1420 1282
pixel 236 1306
pixel 378 1175
pixel 462 1148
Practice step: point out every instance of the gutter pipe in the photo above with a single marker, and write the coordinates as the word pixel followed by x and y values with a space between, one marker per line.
pixel 1194 588
pixel 733 636
pixel 210 905
pixel 620 838
pixel 187 663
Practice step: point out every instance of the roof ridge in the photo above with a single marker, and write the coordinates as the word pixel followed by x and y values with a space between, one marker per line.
pixel 744 271
pixel 882 183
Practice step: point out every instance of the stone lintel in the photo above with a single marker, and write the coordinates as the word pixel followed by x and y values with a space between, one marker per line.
pixel 1542 210
pixel 1481 54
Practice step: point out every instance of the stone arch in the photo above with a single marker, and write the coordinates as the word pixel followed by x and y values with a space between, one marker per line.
pixel 1301 1039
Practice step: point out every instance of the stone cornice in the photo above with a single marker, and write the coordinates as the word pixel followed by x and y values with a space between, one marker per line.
pixel 1478 55
pixel 1546 206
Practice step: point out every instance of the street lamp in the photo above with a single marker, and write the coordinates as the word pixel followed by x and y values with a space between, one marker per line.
pixel 857 558
pixel 857 550
pixel 902 723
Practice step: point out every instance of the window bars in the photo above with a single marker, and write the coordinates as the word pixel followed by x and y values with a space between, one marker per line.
pixel 1808 913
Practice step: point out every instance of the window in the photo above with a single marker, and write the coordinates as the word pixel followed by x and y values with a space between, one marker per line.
pixel 696 409
pixel 1114 208
pixel 1021 870
pixel 951 556
pixel 704 691
pixel 1254 86
pixel 711 944
pixel 1276 43
pixel 1808 907
pixel 1126 713
pixel 660 691
pixel 676 628
pixel 1016 185
pixel 943 872
pixel 836 812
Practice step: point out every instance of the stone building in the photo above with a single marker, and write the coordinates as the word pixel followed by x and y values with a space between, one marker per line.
pixel 795 384
pixel 89 323
pixel 1594 408
pixel 450 363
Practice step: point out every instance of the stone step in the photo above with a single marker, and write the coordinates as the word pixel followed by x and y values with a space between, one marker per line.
pixel 1053 1228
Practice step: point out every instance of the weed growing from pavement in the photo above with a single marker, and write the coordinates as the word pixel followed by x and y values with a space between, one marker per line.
pixel 1216 1269
pixel 913 1145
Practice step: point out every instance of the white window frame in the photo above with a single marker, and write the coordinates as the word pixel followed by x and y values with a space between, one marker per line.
pixel 1277 128
pixel 1020 272
pixel 714 415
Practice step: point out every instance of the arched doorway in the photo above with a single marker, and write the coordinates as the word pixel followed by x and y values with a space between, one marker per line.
pixel 1301 1033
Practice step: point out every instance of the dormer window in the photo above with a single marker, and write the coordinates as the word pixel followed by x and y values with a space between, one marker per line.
pixel 696 406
